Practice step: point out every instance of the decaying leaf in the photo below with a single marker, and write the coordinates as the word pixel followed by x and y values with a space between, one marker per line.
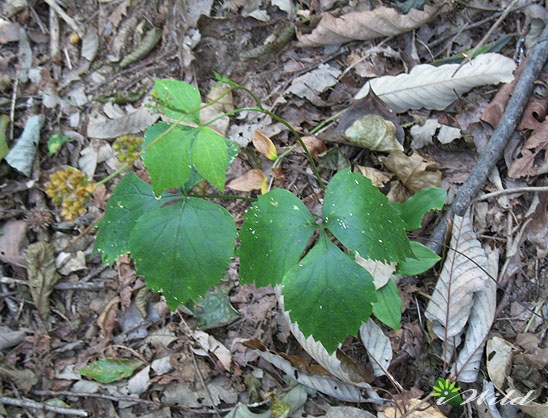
pixel 400 410
pixel 21 156
pixel 108 318
pixel 252 180
pixel 464 273
pixel 373 132
pixel 131 123
pixel 264 145
pixel 377 177
pixel 314 145
pixel 533 158
pixel 42 275
pixel 380 22
pixel 13 240
pixel 414 171
pixel 430 87
pixel 312 84
pixel 424 134
pixel 24 379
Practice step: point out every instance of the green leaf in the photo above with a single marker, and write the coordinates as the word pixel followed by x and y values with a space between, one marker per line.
pixel 111 370
pixel 183 248
pixel 131 198
pixel 55 142
pixel 387 309
pixel 210 155
pixel 360 217
pixel 328 294
pixel 274 235
pixel 422 202
pixel 4 124
pixel 176 98
pixel 424 259
pixel 168 160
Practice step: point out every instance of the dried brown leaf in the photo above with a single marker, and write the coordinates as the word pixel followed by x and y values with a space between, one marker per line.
pixel 107 318
pixel 42 274
pixel 373 132
pixel 314 145
pixel 23 379
pixel 252 180
pixel 415 172
pixel 379 178
pixel 533 159
pixel 12 242
pixel 380 22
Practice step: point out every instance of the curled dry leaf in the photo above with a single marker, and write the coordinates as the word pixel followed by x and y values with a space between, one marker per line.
pixel 414 172
pixel 252 180
pixel 378 346
pixel 21 156
pixel 431 87
pixel 373 132
pixel 107 318
pixel 380 22
pixel 42 274
pixel 264 145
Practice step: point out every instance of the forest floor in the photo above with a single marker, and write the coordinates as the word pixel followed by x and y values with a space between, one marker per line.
pixel 61 60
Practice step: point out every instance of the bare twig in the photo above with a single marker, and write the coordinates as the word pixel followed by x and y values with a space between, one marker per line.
pixel 28 403
pixel 499 139
pixel 512 191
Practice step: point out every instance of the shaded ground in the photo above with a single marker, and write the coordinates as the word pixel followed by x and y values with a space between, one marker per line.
pixel 98 311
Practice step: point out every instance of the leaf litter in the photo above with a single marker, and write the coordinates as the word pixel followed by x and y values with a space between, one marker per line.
pixel 200 370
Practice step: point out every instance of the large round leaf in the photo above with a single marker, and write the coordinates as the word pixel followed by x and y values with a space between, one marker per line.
pixel 183 248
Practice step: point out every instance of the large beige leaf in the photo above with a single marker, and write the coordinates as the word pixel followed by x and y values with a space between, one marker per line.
pixel 430 87
pixel 379 349
pixel 380 22
pixel 481 319
pixel 462 276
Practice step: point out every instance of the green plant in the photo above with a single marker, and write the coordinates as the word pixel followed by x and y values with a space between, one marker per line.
pixel 182 243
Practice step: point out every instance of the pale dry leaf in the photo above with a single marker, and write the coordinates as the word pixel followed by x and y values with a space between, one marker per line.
pixel 90 44
pixel 448 134
pixel 379 349
pixel 212 346
pixel 413 171
pixel 347 412
pixel 42 275
pixel 431 87
pixel 380 22
pixel 21 156
pixel 139 382
pixel 423 134
pixel 481 320
pixel 9 337
pixel 317 379
pixel 13 240
pixel 131 123
pixel 499 360
pixel 220 100
pixel 380 271
pixel 373 132
pixel 340 366
pixel 252 180
pixel 312 84
pixel 463 274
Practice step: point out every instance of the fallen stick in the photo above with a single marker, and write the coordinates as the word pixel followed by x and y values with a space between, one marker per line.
pixel 28 403
pixel 502 134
